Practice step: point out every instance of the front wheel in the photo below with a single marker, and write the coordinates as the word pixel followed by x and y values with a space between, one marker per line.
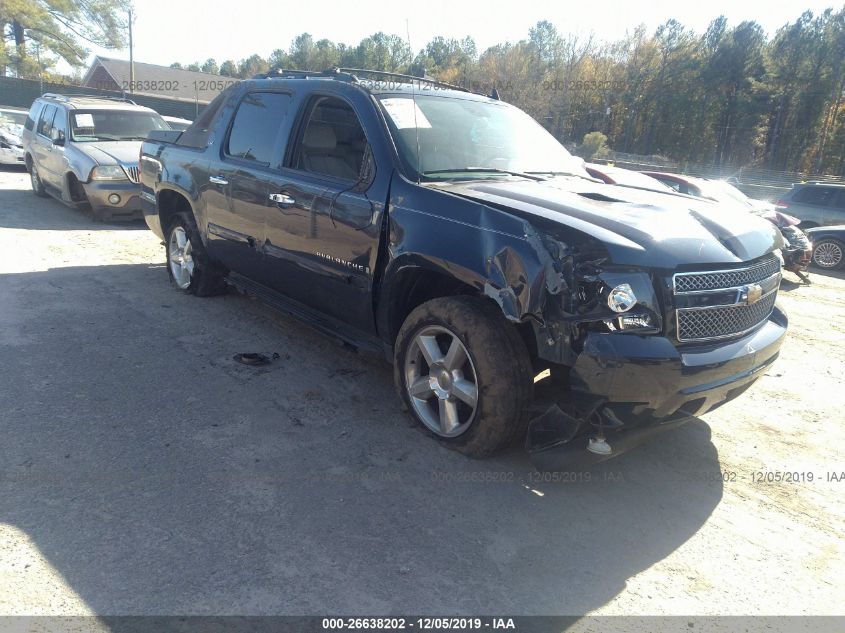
pixel 189 267
pixel 828 254
pixel 464 374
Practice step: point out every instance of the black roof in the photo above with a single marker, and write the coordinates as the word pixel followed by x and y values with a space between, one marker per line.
pixel 377 82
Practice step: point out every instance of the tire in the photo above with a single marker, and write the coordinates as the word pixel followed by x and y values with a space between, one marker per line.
pixel 188 265
pixel 438 394
pixel 828 254
pixel 35 180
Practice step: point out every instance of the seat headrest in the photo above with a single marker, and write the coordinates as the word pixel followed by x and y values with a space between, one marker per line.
pixel 320 137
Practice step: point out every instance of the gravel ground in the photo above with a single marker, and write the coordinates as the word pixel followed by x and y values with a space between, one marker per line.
pixel 143 471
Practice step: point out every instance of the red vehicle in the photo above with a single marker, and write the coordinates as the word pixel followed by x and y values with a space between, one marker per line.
pixel 627 178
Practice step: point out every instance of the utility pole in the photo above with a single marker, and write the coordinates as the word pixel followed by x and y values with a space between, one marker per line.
pixel 40 72
pixel 131 56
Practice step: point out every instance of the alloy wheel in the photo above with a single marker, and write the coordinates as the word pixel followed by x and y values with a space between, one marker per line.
pixel 828 255
pixel 181 258
pixel 441 381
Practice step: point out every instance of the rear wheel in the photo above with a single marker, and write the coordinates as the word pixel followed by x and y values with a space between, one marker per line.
pixel 189 267
pixel 464 374
pixel 35 180
pixel 828 254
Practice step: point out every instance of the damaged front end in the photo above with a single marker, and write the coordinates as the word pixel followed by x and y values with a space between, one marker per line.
pixel 589 282
pixel 620 371
pixel 575 424
pixel 583 302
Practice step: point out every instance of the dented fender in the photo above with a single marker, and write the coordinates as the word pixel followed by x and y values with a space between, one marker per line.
pixel 498 254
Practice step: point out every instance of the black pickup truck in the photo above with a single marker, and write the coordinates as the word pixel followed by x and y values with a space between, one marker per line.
pixel 517 296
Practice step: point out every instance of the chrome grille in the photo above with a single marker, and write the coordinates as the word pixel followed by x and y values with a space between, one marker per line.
pixel 693 282
pixel 131 172
pixel 697 324
pixel 719 304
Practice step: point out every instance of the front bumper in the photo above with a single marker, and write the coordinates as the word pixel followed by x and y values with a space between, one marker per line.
pixel 11 156
pixel 129 206
pixel 640 385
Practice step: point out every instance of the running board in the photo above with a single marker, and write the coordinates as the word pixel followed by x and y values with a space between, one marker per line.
pixel 330 326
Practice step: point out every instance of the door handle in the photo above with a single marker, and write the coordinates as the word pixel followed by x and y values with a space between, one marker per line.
pixel 217 180
pixel 282 199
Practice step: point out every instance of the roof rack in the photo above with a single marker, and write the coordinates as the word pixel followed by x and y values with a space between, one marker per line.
pixel 412 78
pixel 350 75
pixel 70 97
pixel 286 73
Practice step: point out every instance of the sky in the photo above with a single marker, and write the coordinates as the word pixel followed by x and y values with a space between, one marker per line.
pixel 194 30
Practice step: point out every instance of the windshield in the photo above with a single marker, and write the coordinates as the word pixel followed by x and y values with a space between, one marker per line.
pixel 463 138
pixel 12 118
pixel 721 190
pixel 113 125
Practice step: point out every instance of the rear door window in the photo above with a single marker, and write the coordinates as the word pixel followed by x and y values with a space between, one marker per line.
pixel 256 127
pixel 820 196
pixel 839 199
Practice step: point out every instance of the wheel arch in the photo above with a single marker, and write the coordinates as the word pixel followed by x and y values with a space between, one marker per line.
pixel 169 202
pixel 410 282
pixel 73 187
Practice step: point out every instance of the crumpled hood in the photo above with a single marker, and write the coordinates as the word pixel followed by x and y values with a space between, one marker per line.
pixel 8 137
pixel 111 152
pixel 12 133
pixel 637 227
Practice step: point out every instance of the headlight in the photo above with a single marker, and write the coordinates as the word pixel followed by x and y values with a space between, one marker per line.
pixel 621 298
pixel 108 172
pixel 632 303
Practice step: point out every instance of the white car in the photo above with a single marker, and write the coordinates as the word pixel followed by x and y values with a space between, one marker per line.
pixel 176 123
pixel 11 129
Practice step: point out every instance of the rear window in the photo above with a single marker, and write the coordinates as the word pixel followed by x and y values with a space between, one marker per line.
pixel 196 135
pixel 11 117
pixel 821 196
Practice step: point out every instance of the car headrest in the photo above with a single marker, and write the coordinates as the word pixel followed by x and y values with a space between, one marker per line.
pixel 320 137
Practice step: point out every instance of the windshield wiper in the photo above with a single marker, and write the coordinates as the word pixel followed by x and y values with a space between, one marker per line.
pixel 489 170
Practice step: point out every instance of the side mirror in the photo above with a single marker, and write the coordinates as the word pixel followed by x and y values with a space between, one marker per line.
pixel 59 141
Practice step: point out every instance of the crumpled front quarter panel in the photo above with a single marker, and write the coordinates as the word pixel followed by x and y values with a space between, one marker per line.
pixel 494 252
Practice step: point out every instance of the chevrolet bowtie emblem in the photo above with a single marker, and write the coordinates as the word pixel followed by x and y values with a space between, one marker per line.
pixel 750 294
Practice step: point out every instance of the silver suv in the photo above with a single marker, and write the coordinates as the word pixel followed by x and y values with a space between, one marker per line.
pixel 83 150
pixel 815 203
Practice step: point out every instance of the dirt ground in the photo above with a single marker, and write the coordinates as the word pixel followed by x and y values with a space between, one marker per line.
pixel 143 471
